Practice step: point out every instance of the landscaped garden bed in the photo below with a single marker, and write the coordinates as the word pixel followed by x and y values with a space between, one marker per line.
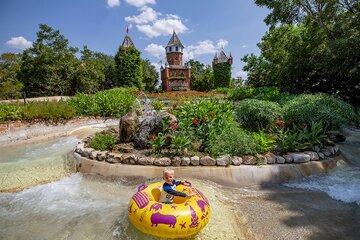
pixel 222 133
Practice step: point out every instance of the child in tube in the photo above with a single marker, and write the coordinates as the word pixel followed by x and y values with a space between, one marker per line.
pixel 169 187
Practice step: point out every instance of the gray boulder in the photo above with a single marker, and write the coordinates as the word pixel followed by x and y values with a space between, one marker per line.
pixel 151 125
pixel 128 126
pixel 223 160
pixel 164 161
pixel 236 161
pixel 207 161
pixel 300 157
pixel 249 160
pixel 185 161
pixel 195 161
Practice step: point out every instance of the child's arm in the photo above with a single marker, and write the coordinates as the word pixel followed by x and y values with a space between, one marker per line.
pixel 169 190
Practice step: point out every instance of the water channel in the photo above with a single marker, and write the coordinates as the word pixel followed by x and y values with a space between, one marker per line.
pixel 70 205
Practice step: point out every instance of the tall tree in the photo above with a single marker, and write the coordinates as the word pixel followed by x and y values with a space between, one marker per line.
pixel 91 72
pixel 10 86
pixel 150 76
pixel 50 65
pixel 128 67
pixel 222 75
pixel 202 78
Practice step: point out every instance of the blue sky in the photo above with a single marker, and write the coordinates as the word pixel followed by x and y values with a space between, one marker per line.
pixel 203 26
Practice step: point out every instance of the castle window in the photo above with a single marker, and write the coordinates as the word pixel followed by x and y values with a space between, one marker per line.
pixel 177 49
pixel 169 49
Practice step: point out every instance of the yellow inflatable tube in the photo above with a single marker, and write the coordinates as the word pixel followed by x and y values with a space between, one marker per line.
pixel 183 218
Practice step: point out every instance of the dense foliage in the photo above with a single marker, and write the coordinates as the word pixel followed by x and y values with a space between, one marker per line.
pixel 202 78
pixel 110 103
pixel 312 46
pixel 306 109
pixel 128 68
pixel 255 115
pixel 222 75
pixel 10 86
pixel 103 141
pixel 37 111
pixel 150 76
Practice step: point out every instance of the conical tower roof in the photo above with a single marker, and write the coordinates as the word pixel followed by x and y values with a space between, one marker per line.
pixel 127 41
pixel 174 41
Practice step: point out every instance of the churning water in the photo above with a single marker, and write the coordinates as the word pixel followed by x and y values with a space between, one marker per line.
pixel 77 206
pixel 341 184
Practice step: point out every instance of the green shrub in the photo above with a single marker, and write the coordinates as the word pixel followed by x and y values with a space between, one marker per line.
pixel 221 90
pixel 240 93
pixel 232 140
pixel 10 112
pixel 111 103
pixel 330 111
pixel 103 141
pixel 157 105
pixel 255 115
pixel 48 111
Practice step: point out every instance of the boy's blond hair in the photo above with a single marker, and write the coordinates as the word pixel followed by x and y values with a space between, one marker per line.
pixel 168 171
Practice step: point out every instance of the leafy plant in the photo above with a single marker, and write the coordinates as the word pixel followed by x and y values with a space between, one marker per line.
pixel 256 115
pixel 48 111
pixel 263 141
pixel 111 103
pixel 10 112
pixel 203 120
pixel 330 111
pixel 232 140
pixel 157 105
pixel 158 143
pixel 179 143
pixel 103 141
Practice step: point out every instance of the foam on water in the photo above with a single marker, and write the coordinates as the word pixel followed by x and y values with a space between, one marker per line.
pixel 342 184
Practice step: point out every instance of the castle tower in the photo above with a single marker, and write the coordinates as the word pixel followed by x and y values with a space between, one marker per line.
pixel 222 58
pixel 127 40
pixel 175 74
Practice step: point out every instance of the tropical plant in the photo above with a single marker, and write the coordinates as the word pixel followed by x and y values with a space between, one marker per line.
pixel 158 143
pixel 180 143
pixel 264 142
pixel 103 141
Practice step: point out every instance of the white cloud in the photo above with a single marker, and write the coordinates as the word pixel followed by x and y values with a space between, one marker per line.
pixel 150 23
pixel 113 3
pixel 147 15
pixel 203 47
pixel 244 46
pixel 241 74
pixel 140 3
pixel 164 26
pixel 19 42
pixel 222 43
pixel 155 50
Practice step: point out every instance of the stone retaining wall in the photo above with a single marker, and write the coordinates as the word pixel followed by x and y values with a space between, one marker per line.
pixel 223 161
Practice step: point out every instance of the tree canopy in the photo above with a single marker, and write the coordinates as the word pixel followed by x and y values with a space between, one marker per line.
pixel 312 46
pixel 128 67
